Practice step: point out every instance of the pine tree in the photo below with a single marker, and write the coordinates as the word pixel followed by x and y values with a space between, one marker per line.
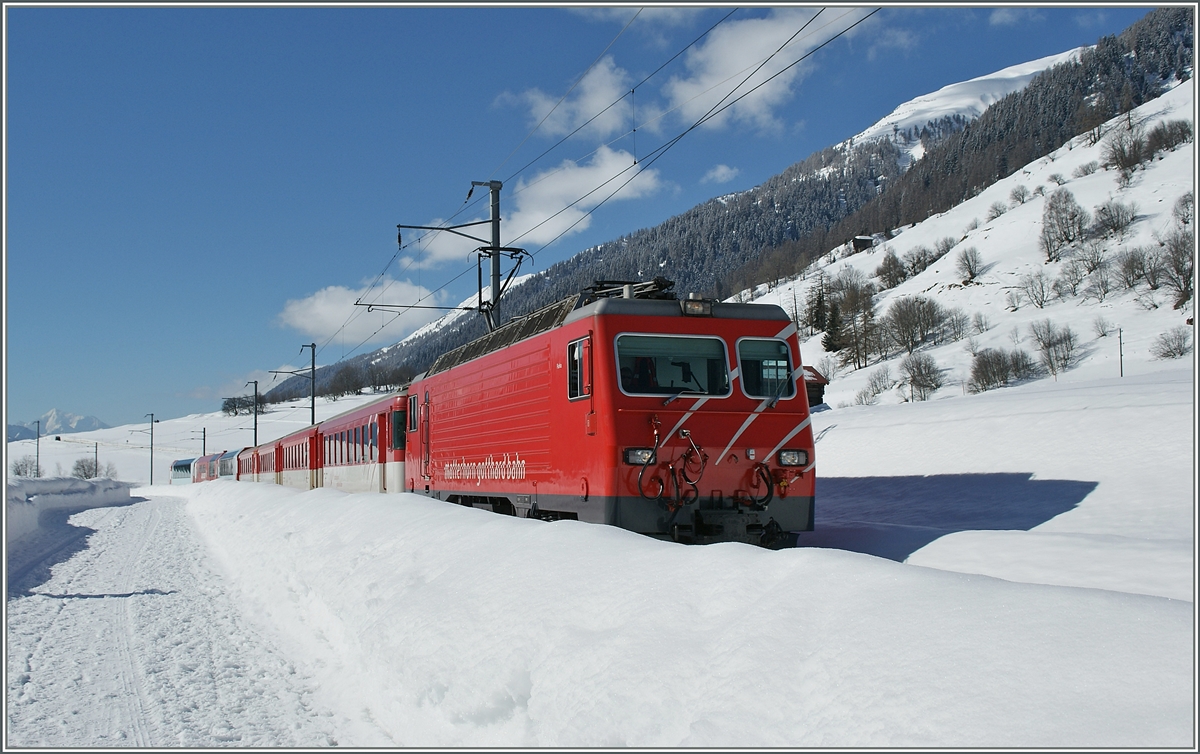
pixel 834 339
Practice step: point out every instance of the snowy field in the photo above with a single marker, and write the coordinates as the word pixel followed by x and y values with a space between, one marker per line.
pixel 1008 569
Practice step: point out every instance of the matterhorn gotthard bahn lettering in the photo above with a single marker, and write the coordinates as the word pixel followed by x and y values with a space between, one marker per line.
pixel 892 449
pixel 489 468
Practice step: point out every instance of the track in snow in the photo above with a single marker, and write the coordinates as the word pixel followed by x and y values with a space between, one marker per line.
pixel 131 640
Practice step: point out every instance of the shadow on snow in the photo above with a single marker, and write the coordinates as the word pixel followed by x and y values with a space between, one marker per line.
pixel 893 517
pixel 55 541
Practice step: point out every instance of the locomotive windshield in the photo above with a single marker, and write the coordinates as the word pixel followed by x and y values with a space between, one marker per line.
pixel 766 368
pixel 672 364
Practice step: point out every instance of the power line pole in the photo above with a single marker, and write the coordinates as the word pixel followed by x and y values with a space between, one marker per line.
pixel 96 458
pixel 1121 349
pixel 37 453
pixel 152 422
pixel 255 383
pixel 494 189
pixel 203 440
pixel 312 379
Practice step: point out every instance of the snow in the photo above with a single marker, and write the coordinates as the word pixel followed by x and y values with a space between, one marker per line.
pixel 967 98
pixel 1009 249
pixel 979 561
pixel 1009 569
pixel 27 499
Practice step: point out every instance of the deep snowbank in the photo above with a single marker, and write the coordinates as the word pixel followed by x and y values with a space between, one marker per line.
pixel 429 624
pixel 26 499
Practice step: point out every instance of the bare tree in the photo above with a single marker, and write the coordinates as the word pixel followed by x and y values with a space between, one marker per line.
pixel 981 323
pixel 1092 255
pixel 891 271
pixel 1173 344
pixel 1178 260
pixel 1129 267
pixel 26 466
pixel 1114 218
pixel 346 381
pixel 85 468
pixel 1064 223
pixel 995 210
pixel 1086 169
pixel 912 320
pixel 958 323
pixel 968 263
pixel 1057 347
pixel 1184 209
pixel 1037 287
pixel 922 375
pixel 1099 284
pixel 1019 195
pixel 1070 277
pixel 1125 149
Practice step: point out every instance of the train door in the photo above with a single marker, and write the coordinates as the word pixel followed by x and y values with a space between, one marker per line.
pixel 426 460
pixel 579 380
pixel 412 444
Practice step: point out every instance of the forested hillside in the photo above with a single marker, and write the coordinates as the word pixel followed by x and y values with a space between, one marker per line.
pixel 776 229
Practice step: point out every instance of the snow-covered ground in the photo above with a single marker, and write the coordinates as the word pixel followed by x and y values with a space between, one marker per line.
pixel 1007 569
pixel 1014 568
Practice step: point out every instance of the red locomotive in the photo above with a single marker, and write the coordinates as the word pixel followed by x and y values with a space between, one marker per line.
pixel 624 406
pixel 680 419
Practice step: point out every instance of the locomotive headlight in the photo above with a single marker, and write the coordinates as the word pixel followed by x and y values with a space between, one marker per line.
pixel 793 457
pixel 639 456
pixel 696 307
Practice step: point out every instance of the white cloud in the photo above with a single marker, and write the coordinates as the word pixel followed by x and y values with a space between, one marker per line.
pixel 720 174
pixel 545 197
pixel 1014 16
pixel 892 39
pixel 603 85
pixel 324 313
pixel 536 210
pixel 668 16
pixel 735 48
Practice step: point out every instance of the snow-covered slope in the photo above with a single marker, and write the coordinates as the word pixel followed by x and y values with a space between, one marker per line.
pixel 1009 249
pixel 966 98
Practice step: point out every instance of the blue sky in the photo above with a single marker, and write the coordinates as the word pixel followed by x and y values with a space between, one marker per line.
pixel 192 193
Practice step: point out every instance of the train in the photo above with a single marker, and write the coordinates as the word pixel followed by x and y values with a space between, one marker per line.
pixel 683 419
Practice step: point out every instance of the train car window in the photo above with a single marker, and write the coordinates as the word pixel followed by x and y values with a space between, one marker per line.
pixel 578 384
pixel 672 365
pixel 398 430
pixel 766 368
pixel 412 413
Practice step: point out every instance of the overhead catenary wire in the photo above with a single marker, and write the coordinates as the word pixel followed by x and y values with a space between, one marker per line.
pixel 659 116
pixel 563 98
pixel 712 113
pixel 641 165
pixel 651 120
pixel 466 202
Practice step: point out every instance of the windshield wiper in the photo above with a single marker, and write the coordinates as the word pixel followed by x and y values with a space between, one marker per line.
pixel 681 392
pixel 791 375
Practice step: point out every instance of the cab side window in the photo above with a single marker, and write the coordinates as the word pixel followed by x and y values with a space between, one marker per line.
pixel 578 382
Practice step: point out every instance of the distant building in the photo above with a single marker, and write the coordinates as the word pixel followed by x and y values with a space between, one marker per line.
pixel 814 383
pixel 862 243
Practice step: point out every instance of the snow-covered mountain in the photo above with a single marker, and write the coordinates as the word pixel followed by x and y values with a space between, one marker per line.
pixel 1114 322
pixel 960 102
pixel 64 422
